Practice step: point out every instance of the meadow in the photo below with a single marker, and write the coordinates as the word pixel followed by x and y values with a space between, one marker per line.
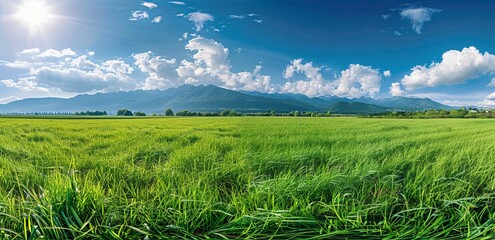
pixel 247 177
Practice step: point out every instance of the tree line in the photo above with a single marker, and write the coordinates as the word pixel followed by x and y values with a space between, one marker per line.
pixel 228 112
pixel 442 113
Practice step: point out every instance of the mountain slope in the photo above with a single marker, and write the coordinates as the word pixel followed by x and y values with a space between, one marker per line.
pixel 356 108
pixel 213 98
pixel 405 103
pixel 193 98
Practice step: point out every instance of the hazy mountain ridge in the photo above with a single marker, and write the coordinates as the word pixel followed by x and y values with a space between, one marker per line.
pixel 213 98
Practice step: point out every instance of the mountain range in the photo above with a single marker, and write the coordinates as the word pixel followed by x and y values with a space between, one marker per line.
pixel 213 98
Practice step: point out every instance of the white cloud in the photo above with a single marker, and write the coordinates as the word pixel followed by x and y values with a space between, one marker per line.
pixel 395 89
pixel 418 16
pixel 353 82
pixel 21 64
pixel 77 80
pixel 211 66
pixel 357 81
pixel 386 16
pixel 177 3
pixel 91 53
pixel 161 72
pixel 149 5
pixel 489 101
pixel 180 15
pixel 57 54
pixel 199 19
pixel 258 20
pixel 213 54
pixel 31 51
pixel 456 67
pixel 51 71
pixel 185 36
pixel 24 84
pixel 237 16
pixel 387 73
pixel 157 19
pixel 491 96
pixel 82 62
pixel 139 15
pixel 8 99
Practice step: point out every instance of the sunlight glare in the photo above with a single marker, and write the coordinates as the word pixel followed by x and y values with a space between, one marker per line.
pixel 34 14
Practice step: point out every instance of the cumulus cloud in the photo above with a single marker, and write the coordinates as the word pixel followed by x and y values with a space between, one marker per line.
pixel 31 51
pixel 149 5
pixel 157 19
pixel 356 81
pixel 139 15
pixel 82 62
pixel 199 19
pixel 211 66
pixel 76 74
pixel 213 54
pixel 21 64
pixel 489 101
pixel 456 67
pixel 418 16
pixel 395 89
pixel 161 71
pixel 387 73
pixel 24 84
pixel 177 3
pixel 57 54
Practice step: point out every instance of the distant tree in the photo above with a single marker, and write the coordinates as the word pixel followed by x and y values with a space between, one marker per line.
pixel 124 112
pixel 92 113
pixel 182 113
pixel 169 112
pixel 225 113
pixel 140 114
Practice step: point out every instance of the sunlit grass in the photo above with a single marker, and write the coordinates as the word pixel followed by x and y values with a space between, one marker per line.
pixel 259 178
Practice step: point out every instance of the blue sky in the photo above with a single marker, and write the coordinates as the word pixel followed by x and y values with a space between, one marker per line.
pixel 442 50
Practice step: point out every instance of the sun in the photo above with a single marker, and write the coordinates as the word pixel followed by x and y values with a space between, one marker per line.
pixel 35 14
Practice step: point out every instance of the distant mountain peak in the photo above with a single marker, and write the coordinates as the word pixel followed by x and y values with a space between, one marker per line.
pixel 214 98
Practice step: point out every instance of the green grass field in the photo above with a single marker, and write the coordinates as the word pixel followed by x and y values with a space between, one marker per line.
pixel 241 177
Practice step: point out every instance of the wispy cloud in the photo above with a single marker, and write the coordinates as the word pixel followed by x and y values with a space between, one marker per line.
pixel 418 16
pixel 177 3
pixel 157 19
pixel 237 16
pixel 149 5
pixel 199 19
pixel 139 15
